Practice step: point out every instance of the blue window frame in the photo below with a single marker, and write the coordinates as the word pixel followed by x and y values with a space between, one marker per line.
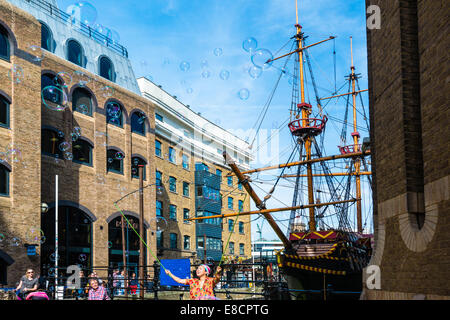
pixel 106 69
pixel 138 123
pixel 173 212
pixel 4 44
pixel 231 246
pixel 230 181
pixel 186 242
pixel 82 101
pixel 82 152
pixel 172 155
pixel 186 213
pixel 173 184
pixel 173 241
pixel 135 163
pixel 114 161
pixel 230 203
pixel 114 113
pixel 159 117
pixel 75 53
pixel 4 181
pixel 4 112
pixel 230 225
pixel 240 186
pixel 218 172
pixel 185 161
pixel 241 227
pixel 240 205
pixel 46 38
pixel 159 208
pixel 159 239
pixel 185 189
pixel 158 150
pixel 158 179
pixel 241 249
pixel 201 167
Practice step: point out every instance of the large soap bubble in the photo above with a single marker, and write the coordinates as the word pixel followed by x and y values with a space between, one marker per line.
pixel 82 12
pixel 250 44
pixel 261 57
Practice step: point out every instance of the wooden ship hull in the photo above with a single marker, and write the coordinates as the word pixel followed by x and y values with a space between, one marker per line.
pixel 325 264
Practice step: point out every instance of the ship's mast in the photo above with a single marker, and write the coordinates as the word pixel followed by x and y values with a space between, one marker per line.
pixel 355 135
pixel 305 117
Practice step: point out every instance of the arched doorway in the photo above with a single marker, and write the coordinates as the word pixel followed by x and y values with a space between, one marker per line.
pixel 132 241
pixel 74 239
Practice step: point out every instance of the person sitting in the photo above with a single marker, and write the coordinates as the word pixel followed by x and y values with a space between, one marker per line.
pixel 97 292
pixel 27 284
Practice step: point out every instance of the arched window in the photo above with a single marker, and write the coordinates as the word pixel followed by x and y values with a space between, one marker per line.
pixel 4 44
pixel 114 113
pixel 46 38
pixel 51 142
pixel 106 68
pixel 82 152
pixel 135 163
pixel 74 235
pixel 82 101
pixel 115 160
pixel 75 53
pixel 4 180
pixel 4 112
pixel 55 95
pixel 138 123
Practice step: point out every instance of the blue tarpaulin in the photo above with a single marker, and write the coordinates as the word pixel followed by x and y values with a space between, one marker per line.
pixel 179 267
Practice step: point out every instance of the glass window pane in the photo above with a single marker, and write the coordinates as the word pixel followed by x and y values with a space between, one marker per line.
pixel 115 161
pixel 82 152
pixel 138 123
pixel 4 44
pixel 114 114
pixel 4 112
pixel 75 53
pixel 46 38
pixel 106 69
pixel 4 180
pixel 82 101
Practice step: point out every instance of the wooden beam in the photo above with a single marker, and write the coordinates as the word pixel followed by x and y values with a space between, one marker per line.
pixel 364 173
pixel 344 94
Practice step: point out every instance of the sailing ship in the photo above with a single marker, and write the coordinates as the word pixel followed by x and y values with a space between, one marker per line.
pixel 321 257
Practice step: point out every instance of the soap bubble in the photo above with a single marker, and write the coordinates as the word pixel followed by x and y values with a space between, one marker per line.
pixel 189 90
pixel 110 244
pixel 218 52
pixel 64 146
pixel 37 52
pixel 53 257
pixel 204 64
pixel 83 12
pixel 77 131
pixel 119 155
pixel 159 190
pixel 13 154
pixel 243 94
pixel 63 79
pixel 185 66
pixel 255 72
pixel 15 242
pixel 74 136
pixel 115 36
pixel 103 31
pixel 260 58
pixel 224 74
pixel 84 79
pixel 34 235
pixel 82 257
pixel 110 160
pixel 2 237
pixel 82 108
pixel 158 224
pixel 60 134
pixel 206 74
pixel 15 74
pixel 68 156
pixel 54 98
pixel 51 272
pixel 250 44
pixel 107 91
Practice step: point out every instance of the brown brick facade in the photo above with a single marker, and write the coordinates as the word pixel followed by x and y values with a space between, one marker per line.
pixel 408 87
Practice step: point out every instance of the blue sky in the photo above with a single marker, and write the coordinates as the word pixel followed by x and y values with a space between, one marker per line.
pixel 161 34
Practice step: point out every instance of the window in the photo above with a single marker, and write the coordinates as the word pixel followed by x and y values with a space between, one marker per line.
pixel 172 184
pixel 138 123
pixel 82 152
pixel 114 161
pixel 231 248
pixel 114 113
pixel 158 150
pixel 241 227
pixel 230 203
pixel 185 189
pixel 46 38
pixel 53 95
pixel 173 241
pixel 4 112
pixel 51 141
pixel 159 117
pixel 186 242
pixel 201 167
pixel 240 186
pixel 75 53
pixel 240 205
pixel 200 242
pixel 159 208
pixel 135 163
pixel 4 44
pixel 241 249
pixel 158 178
pixel 186 213
pixel 173 212
pixel 218 172
pixel 159 239
pixel 106 69
pixel 172 155
pixel 230 181
pixel 230 225
pixel 185 162
pixel 82 101
pixel 4 181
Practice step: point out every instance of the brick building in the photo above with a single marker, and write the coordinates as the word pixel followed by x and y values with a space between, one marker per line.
pixel 408 84
pixel 71 106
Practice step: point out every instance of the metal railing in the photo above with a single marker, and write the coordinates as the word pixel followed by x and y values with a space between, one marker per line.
pixel 81 27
